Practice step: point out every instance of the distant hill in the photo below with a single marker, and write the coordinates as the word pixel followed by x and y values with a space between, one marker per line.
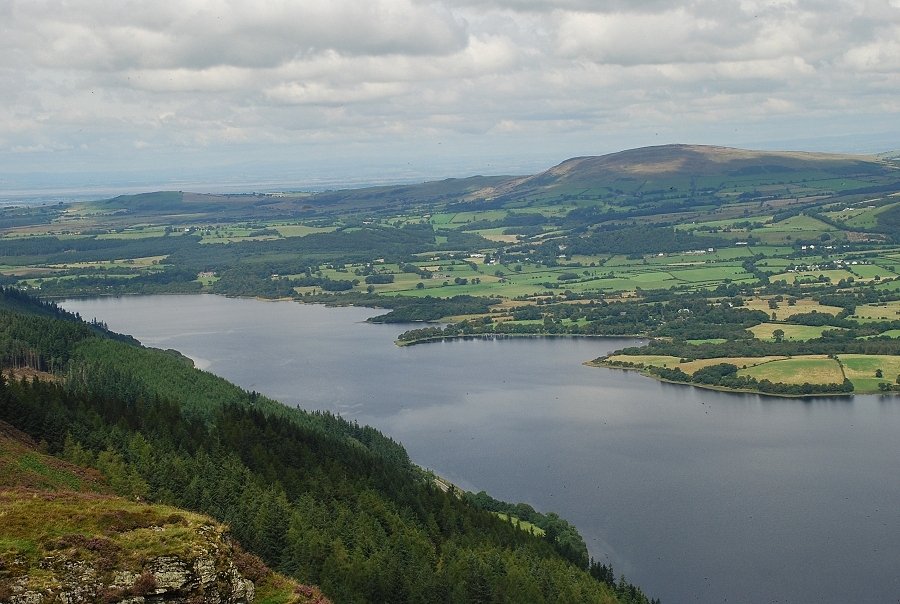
pixel 685 168
pixel 626 178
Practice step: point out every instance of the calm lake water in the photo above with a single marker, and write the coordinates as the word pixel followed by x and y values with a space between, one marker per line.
pixel 697 496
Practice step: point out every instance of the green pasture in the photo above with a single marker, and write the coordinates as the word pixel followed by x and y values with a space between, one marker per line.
pixel 140 233
pixel 301 230
pixel 886 311
pixel 798 370
pixel 785 310
pixel 870 271
pixel 715 272
pixel 719 255
pixel 522 524
pixel 764 331
pixel 656 360
pixel 728 223
pixel 691 367
pixel 861 368
pixel 800 223
pixel 774 265
pixel 812 276
pixel 771 250
pixel 496 234
pixel 860 216
pixel 891 286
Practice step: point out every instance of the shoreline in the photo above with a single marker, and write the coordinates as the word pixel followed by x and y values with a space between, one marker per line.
pixel 715 388
pixel 504 336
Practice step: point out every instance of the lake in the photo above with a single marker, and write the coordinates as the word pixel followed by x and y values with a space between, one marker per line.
pixel 695 495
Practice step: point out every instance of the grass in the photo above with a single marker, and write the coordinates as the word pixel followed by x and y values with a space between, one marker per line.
pixel 888 311
pixel 871 271
pixel 112 536
pixel 833 276
pixel 646 359
pixel 23 465
pixel 690 367
pixel 137 531
pixel 763 331
pixel 860 369
pixel 813 369
pixel 301 230
pixel 521 524
pixel 802 305
pixel 891 333
pixel 741 362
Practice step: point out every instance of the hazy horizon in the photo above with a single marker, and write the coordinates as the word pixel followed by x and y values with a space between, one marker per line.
pixel 99 96
pixel 40 187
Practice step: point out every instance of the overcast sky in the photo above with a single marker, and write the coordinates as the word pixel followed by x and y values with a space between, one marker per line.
pixel 200 90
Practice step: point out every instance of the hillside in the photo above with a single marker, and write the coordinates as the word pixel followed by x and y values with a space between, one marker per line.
pixel 696 170
pixel 66 536
pixel 317 498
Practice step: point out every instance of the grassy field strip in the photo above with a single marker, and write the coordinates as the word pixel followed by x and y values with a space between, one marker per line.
pixel 798 370
pixel 741 362
pixel 802 305
pixel 834 275
pixel 301 230
pixel 522 524
pixel 860 369
pixel 690 367
pixel 764 331
pixel 889 311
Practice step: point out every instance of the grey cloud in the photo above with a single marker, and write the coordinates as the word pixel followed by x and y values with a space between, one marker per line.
pixel 202 73
pixel 240 33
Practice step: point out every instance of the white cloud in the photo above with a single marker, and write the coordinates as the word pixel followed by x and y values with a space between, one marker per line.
pixel 169 34
pixel 199 73
pixel 880 56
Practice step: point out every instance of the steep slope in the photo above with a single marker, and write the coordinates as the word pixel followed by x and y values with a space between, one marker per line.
pixel 65 537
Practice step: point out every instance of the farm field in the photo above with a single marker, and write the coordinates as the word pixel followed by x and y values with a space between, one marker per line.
pixel 764 331
pixel 798 370
pixel 787 310
pixel 860 369
pixel 885 311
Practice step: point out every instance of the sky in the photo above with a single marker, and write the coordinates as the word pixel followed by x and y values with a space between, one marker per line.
pixel 248 93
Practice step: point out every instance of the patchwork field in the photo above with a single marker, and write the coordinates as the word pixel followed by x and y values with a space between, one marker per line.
pixel 886 311
pixel 798 370
pixel 786 310
pixel 861 369
pixel 764 331
pixel 815 369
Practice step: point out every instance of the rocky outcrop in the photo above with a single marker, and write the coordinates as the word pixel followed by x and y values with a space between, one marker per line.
pixel 207 578
pixel 76 569
pixel 64 546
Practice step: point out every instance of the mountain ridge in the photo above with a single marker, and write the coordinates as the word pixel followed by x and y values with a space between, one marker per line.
pixel 680 160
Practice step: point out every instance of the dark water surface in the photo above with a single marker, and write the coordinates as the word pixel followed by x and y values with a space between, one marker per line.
pixel 697 496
